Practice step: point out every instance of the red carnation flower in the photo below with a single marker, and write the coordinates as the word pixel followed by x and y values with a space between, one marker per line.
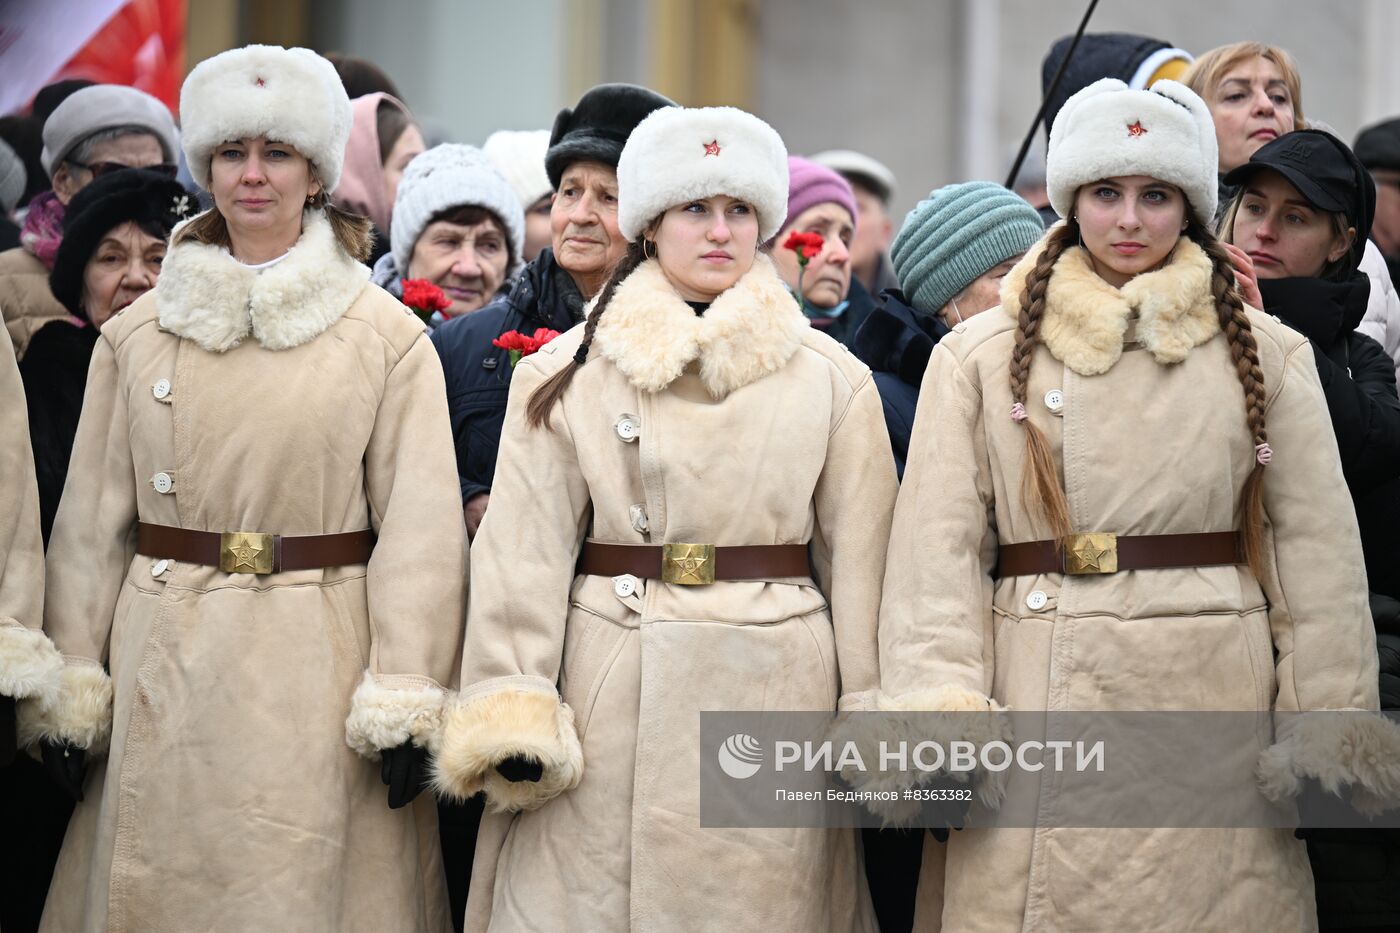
pixel 424 298
pixel 519 345
pixel 805 245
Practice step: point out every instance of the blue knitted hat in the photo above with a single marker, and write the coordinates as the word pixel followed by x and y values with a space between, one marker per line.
pixel 954 236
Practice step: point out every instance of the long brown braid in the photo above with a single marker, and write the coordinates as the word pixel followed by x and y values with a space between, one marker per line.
pixel 550 391
pixel 1245 353
pixel 1039 481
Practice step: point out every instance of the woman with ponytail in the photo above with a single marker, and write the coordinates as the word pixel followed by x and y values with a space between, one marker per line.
pixel 698 486
pixel 258 561
pixel 1123 493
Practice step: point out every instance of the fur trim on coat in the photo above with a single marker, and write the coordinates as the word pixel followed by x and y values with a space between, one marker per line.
pixel 652 335
pixel 206 295
pixel 1344 748
pixel 1086 318
pixel 481 732
pixel 79 712
pixel 386 711
pixel 30 666
pixel 977 719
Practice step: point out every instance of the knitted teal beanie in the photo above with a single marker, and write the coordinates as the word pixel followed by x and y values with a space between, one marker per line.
pixel 955 235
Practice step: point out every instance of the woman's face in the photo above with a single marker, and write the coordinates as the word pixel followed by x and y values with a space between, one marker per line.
pixel 705 246
pixel 983 294
pixel 261 188
pixel 409 144
pixel 124 267
pixel 1285 235
pixel 1129 224
pixel 467 262
pixel 1251 106
pixel 828 275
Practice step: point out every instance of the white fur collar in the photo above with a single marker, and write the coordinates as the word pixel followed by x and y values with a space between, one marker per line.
pixel 207 296
pixel 1085 318
pixel 651 335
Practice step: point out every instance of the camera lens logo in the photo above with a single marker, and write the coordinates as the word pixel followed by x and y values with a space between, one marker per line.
pixel 741 756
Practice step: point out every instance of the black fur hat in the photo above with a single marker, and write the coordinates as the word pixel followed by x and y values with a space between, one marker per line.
pixel 155 203
pixel 596 129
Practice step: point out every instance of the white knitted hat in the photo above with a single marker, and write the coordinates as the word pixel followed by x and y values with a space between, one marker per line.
pixel 681 154
pixel 105 107
pixel 519 155
pixel 452 175
pixel 1107 131
pixel 12 179
pixel 292 96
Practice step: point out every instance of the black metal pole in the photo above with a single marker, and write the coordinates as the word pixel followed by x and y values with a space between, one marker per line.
pixel 1049 92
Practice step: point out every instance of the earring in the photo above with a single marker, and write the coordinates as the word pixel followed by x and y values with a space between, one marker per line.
pixel 645 244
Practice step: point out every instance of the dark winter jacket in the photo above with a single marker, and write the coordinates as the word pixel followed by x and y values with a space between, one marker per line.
pixel 895 342
pixel 478 374
pixel 1357 376
pixel 54 370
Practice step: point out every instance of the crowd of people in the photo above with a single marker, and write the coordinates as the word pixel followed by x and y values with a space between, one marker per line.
pixel 263 665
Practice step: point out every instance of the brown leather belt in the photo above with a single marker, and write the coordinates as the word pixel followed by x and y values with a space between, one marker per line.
pixel 1097 553
pixel 253 552
pixel 691 564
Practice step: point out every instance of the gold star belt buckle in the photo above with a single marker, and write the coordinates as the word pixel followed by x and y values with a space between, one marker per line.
pixel 245 552
pixel 688 564
pixel 1096 552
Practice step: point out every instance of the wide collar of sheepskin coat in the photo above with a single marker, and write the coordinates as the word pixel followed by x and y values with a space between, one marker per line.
pixel 206 295
pixel 1085 318
pixel 651 335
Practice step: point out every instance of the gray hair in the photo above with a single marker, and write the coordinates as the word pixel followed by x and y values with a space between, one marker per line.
pixel 81 153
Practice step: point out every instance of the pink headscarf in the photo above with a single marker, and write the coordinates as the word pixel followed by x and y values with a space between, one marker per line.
pixel 361 186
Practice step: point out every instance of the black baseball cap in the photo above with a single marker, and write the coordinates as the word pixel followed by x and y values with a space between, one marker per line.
pixel 1323 169
pixel 1378 146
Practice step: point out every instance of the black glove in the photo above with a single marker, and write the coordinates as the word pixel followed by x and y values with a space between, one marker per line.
pixel 405 770
pixel 940 816
pixel 519 768
pixel 66 764
pixel 7 730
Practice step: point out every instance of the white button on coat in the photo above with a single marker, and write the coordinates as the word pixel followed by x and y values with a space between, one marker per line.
pixel 624 586
pixel 1055 400
pixel 628 428
pixel 160 567
pixel 1037 600
pixel 164 483
pixel 161 389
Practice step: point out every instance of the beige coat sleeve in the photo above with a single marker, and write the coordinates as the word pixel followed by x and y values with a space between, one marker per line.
pixel 1319 613
pixel 417 575
pixel 522 569
pixel 29 665
pixel 90 549
pixel 936 616
pixel 854 500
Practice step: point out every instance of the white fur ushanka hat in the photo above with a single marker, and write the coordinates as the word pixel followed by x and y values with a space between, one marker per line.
pixel 1107 131
pixel 682 154
pixel 292 96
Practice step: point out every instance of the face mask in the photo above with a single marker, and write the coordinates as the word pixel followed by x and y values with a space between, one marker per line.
pixel 954 303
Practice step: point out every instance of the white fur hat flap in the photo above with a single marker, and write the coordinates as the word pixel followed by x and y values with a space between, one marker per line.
pixel 293 96
pixel 682 154
pixel 1107 130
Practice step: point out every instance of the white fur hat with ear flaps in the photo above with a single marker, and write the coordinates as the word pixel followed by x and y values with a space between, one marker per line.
pixel 291 96
pixel 682 154
pixel 1107 130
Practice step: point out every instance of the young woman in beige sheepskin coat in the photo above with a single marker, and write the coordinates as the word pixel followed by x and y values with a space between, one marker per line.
pixel 1125 388
pixel 732 425
pixel 264 386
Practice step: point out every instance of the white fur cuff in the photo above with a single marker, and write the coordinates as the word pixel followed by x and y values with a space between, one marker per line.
pixel 386 712
pixel 1356 749
pixel 79 713
pixel 977 719
pixel 485 731
pixel 30 665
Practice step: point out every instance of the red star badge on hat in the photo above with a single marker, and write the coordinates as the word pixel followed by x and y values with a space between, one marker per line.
pixel 1136 128
pixel 261 83
pixel 712 147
